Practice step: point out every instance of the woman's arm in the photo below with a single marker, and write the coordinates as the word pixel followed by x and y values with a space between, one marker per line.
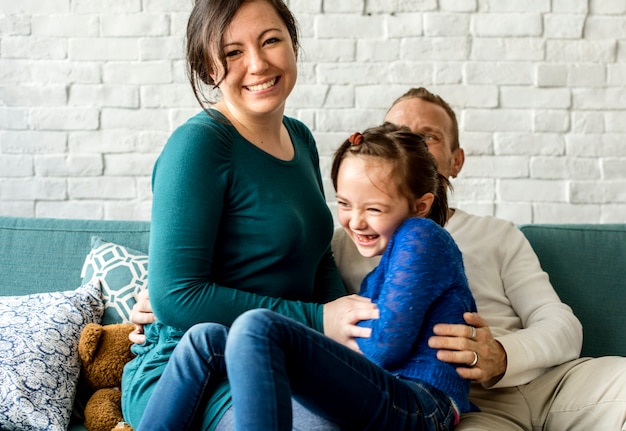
pixel 192 218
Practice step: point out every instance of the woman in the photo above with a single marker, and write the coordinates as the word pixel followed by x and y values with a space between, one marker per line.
pixel 239 219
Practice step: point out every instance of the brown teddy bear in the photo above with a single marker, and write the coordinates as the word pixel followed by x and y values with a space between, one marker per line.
pixel 103 351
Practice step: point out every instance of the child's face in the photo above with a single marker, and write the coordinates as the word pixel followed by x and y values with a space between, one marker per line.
pixel 370 207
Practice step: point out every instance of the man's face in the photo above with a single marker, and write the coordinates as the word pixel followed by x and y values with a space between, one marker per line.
pixel 432 121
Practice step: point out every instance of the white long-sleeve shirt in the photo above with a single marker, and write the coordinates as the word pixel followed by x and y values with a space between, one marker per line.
pixel 513 294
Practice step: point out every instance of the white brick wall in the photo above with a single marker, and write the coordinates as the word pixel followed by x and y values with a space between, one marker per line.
pixel 90 91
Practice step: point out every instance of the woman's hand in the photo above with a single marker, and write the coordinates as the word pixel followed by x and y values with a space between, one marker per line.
pixel 141 315
pixel 463 344
pixel 342 315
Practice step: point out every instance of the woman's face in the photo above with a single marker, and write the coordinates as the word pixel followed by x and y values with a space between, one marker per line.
pixel 260 59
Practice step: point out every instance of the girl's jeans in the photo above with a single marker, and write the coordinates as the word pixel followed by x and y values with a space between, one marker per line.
pixel 270 359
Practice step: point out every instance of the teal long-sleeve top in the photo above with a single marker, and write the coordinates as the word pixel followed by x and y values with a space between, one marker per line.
pixel 419 282
pixel 233 228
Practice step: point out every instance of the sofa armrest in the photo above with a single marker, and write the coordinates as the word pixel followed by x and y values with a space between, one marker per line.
pixel 587 267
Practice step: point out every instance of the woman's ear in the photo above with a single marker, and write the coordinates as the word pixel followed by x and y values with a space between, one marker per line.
pixel 422 205
pixel 217 70
pixel 213 75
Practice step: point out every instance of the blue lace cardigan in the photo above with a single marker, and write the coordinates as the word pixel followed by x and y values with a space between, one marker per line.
pixel 419 282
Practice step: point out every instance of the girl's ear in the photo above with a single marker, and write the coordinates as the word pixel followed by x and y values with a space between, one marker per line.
pixel 422 205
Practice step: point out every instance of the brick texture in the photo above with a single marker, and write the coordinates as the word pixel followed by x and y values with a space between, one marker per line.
pixel 90 91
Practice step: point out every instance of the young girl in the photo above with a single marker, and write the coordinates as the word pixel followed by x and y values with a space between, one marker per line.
pixel 392 202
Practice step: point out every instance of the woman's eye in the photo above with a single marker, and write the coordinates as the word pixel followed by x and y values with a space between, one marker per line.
pixel 271 40
pixel 232 53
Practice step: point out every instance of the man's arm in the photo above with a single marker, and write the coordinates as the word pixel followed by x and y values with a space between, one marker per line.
pixel 530 329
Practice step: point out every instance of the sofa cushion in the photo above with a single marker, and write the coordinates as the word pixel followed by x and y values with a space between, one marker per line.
pixel 122 272
pixel 587 269
pixel 39 363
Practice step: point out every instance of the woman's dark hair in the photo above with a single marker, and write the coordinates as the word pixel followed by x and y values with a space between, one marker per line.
pixel 413 166
pixel 205 30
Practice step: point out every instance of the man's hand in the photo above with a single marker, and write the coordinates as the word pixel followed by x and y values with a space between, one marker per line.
pixel 463 344
pixel 342 315
pixel 140 315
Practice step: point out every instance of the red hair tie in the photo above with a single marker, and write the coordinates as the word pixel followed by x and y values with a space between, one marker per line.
pixel 356 138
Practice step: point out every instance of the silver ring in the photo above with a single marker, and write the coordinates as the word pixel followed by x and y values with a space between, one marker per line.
pixel 475 361
pixel 473 336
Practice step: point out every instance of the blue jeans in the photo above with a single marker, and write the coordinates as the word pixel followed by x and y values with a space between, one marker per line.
pixel 195 366
pixel 193 371
pixel 271 358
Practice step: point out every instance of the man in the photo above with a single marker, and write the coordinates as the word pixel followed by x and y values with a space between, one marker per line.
pixel 523 345
pixel 525 342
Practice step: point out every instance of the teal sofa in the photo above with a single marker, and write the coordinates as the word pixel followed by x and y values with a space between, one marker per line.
pixel 47 255
pixel 586 264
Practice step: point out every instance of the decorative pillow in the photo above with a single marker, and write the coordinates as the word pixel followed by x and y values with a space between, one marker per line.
pixel 123 273
pixel 39 363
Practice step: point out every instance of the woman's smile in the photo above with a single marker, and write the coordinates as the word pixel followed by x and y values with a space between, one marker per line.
pixel 262 86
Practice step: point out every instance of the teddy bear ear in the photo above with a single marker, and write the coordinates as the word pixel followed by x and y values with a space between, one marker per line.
pixel 88 343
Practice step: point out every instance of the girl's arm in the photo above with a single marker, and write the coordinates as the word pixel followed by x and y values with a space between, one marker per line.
pixel 420 264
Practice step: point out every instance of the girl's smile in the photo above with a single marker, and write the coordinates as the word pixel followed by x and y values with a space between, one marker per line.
pixel 365 240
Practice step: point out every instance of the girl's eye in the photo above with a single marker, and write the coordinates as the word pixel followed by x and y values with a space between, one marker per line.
pixel 373 210
pixel 271 41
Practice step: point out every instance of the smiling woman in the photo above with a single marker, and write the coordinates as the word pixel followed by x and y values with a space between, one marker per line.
pixel 239 219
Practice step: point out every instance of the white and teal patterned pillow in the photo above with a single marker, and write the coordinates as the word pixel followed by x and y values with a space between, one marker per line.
pixel 39 363
pixel 123 273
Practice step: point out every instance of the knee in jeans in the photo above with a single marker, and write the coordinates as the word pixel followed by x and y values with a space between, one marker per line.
pixel 252 320
pixel 203 334
pixel 251 323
